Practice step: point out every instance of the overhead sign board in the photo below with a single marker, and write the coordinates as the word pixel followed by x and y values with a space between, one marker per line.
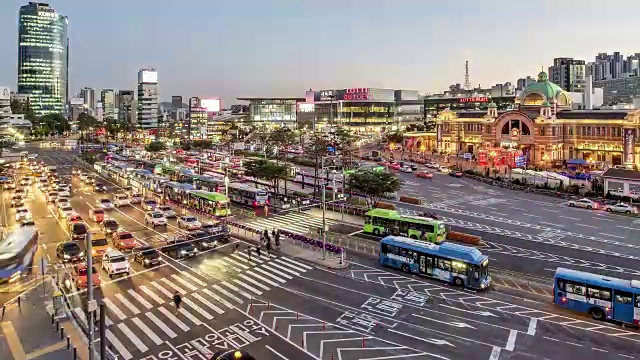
pixel 473 99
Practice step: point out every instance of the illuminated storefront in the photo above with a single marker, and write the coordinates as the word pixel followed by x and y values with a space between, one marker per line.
pixel 43 60
pixel 542 128
pixel 273 111
pixel 435 105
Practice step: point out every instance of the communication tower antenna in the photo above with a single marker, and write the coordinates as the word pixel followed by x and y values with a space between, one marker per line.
pixel 467 82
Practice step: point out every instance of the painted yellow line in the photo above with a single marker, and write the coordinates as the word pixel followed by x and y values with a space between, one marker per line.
pixel 14 341
pixel 47 349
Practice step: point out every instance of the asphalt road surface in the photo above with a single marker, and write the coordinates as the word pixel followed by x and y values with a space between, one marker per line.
pixel 277 307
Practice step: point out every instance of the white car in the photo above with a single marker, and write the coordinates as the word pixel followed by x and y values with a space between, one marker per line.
pixel 62 202
pixel 432 165
pixel 105 204
pixel 149 204
pixel 114 262
pixel 167 211
pixel 443 169
pixel 121 200
pixel 10 184
pixel 621 208
pixel 189 223
pixel 64 192
pixel 52 196
pixel 406 169
pixel 583 203
pixel 155 218
pixel 23 214
pixel 135 198
pixel 65 211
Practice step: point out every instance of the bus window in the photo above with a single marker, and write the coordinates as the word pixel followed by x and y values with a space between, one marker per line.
pixel 596 292
pixel 623 297
pixel 368 219
pixel 575 288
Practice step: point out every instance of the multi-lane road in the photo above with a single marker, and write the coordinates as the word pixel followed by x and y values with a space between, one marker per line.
pixel 278 307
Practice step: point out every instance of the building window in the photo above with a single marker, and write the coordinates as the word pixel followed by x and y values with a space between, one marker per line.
pixel 542 131
pixel 553 131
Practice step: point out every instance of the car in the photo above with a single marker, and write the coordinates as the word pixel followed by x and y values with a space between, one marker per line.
pixel 9 184
pixel 23 213
pixel 189 223
pixel 65 211
pixel 443 169
pixel 83 177
pixel 63 192
pixel 123 240
pixel 218 230
pixel 232 355
pixel 155 218
pixel 17 200
pixel 52 196
pixel 121 200
pixel 432 165
pixel 135 198
pixel 115 263
pixel 77 230
pixel 20 191
pixel 109 226
pixel 80 276
pixel 89 180
pixel 180 249
pixel 104 204
pixel 455 173
pixel 75 172
pixel 621 208
pixel 26 223
pixel 406 169
pixel 99 188
pixel 584 203
pixel 99 243
pixel 147 256
pixel 201 240
pixel 395 166
pixel 96 215
pixel 69 251
pixel 167 211
pixel 149 204
pixel 61 201
pixel 424 174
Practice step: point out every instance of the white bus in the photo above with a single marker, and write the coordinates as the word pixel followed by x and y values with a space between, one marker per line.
pixel 248 195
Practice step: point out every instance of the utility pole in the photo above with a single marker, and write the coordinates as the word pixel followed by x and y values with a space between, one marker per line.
pixel 91 303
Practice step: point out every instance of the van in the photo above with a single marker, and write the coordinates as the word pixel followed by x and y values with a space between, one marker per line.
pixel 99 243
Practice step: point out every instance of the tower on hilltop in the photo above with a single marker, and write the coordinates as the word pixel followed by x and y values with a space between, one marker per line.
pixel 467 82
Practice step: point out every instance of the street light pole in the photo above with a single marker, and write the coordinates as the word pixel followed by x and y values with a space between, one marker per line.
pixel 91 303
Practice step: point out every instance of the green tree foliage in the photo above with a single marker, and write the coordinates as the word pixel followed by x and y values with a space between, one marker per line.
pixel 20 107
pixel 394 137
pixel 155 146
pixel 345 143
pixel 372 184
pixel 279 139
pixel 316 148
pixel 201 144
pixel 267 170
pixel 49 124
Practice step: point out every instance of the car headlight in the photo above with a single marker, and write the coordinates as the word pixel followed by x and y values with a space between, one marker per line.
pixel 183 251
pixel 66 256
pixel 146 261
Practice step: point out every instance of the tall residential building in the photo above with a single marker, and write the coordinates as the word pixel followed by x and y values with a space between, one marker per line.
pixel 197 120
pixel 43 58
pixel 108 100
pixel 147 99
pixel 524 82
pixel 89 96
pixel 126 106
pixel 568 73
pixel 176 102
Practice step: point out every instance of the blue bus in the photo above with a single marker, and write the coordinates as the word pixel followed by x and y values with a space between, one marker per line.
pixel 17 251
pixel 456 264
pixel 604 298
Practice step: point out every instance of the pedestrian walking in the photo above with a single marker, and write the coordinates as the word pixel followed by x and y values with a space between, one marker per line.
pixel 258 251
pixel 269 248
pixel 273 233
pixel 237 247
pixel 177 300
pixel 249 253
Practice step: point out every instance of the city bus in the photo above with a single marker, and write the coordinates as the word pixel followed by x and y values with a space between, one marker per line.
pixel 177 192
pixel 603 297
pixel 382 222
pixel 210 202
pixel 456 264
pixel 17 251
pixel 248 195
pixel 209 183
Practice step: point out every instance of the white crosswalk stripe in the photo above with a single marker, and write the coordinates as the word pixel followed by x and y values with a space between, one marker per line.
pixel 152 322
pixel 299 223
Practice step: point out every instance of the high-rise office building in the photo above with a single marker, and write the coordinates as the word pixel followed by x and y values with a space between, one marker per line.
pixel 126 106
pixel 108 100
pixel 568 73
pixel 147 99
pixel 89 96
pixel 196 119
pixel 522 83
pixel 176 102
pixel 43 58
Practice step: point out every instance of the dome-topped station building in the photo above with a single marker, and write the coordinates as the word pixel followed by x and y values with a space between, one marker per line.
pixel 541 130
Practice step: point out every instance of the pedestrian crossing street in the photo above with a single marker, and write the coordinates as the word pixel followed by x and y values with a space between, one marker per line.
pixel 144 317
pixel 296 222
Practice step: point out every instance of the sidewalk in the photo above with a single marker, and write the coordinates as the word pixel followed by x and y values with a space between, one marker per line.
pixel 28 333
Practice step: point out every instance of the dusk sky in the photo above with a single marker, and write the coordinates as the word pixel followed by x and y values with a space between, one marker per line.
pixel 283 47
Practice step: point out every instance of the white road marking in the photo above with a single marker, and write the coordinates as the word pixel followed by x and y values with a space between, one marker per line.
pixel 209 304
pixel 197 308
pixel 184 282
pixel 232 287
pixel 189 316
pixel 248 287
pixel 195 279
pixel 532 326
pixel 261 278
pixel 118 345
pixel 140 299
pixel 297 263
pixel 256 283
pixel 269 274
pixel 233 262
pixel 174 319
pixel 145 329
pixel 266 266
pixel 495 353
pixel 218 298
pixel 151 294
pixel 161 325
pixel 114 309
pixel 127 303
pixel 133 338
pixel 615 236
pixel 174 286
pixel 511 342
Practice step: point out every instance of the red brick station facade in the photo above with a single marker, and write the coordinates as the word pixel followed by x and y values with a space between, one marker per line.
pixel 541 128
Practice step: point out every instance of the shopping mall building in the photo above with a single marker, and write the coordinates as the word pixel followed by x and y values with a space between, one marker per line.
pixel 542 129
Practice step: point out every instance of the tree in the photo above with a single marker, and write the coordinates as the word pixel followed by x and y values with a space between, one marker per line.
pixel 86 123
pixel 281 138
pixel 372 184
pixel 345 144
pixel 317 147
pixel 22 107
pixel 155 146
pixel 201 144
pixel 267 170
pixel 394 137
pixel 112 128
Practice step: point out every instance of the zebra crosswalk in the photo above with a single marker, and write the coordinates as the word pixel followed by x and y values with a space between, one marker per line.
pixel 144 317
pixel 296 222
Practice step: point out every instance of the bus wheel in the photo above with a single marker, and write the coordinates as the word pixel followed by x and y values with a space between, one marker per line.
pixel 414 237
pixel 597 314
pixel 458 281
pixel 376 232
pixel 405 268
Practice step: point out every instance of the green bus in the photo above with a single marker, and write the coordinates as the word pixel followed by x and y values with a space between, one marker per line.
pixel 210 202
pixel 383 222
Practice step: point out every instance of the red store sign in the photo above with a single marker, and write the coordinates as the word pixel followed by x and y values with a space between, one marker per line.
pixel 474 99
pixel 357 94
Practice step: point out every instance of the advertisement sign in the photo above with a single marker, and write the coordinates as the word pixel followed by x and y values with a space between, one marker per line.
pixel 629 143
pixel 5 94
pixel 212 105
pixel 474 99
pixel 439 132
pixel 324 95
pixel 148 77
pixel 304 107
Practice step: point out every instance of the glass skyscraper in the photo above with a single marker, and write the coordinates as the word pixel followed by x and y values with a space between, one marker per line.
pixel 43 58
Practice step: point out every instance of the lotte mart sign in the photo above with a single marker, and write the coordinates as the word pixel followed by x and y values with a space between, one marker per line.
pixel 474 99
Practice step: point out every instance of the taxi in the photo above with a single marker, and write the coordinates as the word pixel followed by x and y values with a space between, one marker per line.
pixel 96 215
pixel 99 243
pixel 80 278
pixel 123 240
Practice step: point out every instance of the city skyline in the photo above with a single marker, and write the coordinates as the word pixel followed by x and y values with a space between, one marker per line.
pixel 295 49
